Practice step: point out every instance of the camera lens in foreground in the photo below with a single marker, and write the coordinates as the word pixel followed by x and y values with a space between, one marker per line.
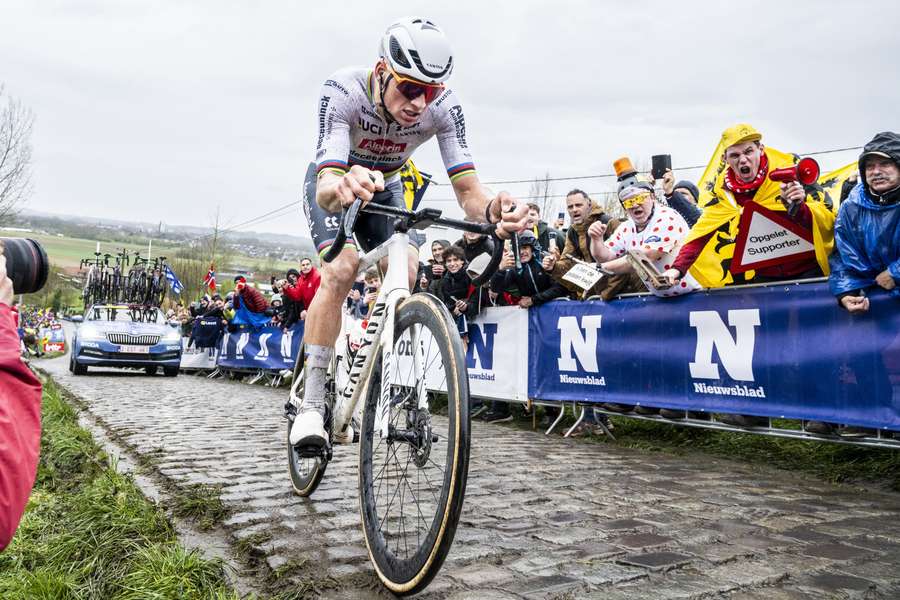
pixel 26 264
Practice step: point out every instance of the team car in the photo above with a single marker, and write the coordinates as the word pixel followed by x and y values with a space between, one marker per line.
pixel 126 336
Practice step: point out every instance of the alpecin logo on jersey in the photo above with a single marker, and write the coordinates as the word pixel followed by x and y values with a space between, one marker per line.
pixel 382 146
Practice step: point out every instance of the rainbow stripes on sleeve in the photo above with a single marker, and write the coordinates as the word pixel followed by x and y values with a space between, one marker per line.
pixel 460 170
pixel 335 166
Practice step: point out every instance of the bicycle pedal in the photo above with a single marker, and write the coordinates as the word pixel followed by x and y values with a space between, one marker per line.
pixel 313 451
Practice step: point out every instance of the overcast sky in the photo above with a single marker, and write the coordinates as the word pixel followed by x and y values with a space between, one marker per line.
pixel 164 110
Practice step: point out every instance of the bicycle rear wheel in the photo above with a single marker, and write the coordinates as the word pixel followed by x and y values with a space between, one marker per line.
pixel 412 482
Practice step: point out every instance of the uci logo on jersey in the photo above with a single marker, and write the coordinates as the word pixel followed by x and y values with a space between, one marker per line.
pixel 373 128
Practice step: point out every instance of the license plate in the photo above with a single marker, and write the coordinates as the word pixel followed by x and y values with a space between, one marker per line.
pixel 135 349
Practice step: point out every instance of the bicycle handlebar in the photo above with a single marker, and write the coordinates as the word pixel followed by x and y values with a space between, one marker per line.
pixel 420 219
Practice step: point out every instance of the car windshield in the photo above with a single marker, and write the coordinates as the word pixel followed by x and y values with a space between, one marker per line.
pixel 125 314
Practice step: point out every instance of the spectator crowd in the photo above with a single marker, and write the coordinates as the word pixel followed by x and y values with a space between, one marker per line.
pixel 205 321
pixel 668 239
pixel 672 240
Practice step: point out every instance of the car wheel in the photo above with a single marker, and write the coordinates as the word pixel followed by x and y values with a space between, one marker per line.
pixel 79 369
pixel 150 370
pixel 170 371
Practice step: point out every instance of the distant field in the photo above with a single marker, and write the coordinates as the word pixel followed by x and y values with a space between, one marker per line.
pixel 66 252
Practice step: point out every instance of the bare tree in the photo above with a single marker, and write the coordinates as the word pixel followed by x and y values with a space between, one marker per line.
pixel 193 259
pixel 16 123
pixel 541 193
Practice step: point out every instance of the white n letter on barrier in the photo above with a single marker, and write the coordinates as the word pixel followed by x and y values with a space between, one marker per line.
pixel 584 345
pixel 735 353
pixel 239 347
pixel 286 340
pixel 263 347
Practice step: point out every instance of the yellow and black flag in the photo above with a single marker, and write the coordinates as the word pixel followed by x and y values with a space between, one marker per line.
pixel 721 215
pixel 414 184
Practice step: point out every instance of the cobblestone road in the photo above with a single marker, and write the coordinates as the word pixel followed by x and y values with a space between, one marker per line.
pixel 544 517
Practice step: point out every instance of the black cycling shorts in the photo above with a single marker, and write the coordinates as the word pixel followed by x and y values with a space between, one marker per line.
pixel 370 231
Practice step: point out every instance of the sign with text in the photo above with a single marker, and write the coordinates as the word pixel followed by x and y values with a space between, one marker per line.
pixel 583 275
pixel 495 356
pixel 767 237
pixel 768 351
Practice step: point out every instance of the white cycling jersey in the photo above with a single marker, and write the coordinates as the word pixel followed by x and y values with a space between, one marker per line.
pixel 351 132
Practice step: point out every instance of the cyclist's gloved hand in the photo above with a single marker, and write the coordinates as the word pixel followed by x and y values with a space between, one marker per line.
pixel 511 217
pixel 359 182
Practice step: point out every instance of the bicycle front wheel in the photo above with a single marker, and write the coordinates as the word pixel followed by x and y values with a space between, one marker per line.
pixel 412 481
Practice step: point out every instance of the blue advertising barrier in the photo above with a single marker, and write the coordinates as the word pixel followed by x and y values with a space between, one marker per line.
pixel 267 348
pixel 53 338
pixel 781 351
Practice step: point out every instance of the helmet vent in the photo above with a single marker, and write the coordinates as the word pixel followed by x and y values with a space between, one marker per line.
pixel 397 53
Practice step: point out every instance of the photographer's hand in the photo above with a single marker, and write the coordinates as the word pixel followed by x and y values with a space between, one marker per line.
pixel 6 285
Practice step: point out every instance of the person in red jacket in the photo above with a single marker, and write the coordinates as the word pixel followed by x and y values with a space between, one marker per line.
pixel 304 290
pixel 249 295
pixel 20 419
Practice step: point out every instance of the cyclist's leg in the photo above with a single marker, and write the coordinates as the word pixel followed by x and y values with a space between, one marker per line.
pixel 323 324
pixel 323 317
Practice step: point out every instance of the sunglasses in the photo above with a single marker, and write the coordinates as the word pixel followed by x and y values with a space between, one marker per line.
pixel 412 89
pixel 632 202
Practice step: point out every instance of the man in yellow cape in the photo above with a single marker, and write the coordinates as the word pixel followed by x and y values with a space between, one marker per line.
pixel 742 177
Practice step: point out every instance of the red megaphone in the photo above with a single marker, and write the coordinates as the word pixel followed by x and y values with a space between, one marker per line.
pixel 806 172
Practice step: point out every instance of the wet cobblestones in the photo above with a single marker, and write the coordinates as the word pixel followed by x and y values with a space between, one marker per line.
pixel 544 517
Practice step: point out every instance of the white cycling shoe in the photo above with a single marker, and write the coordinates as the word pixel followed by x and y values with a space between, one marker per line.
pixel 308 429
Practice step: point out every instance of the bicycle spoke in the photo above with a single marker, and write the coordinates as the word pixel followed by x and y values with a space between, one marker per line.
pixel 410 509
pixel 388 507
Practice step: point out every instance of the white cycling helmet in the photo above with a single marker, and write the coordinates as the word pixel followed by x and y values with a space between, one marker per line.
pixel 417 48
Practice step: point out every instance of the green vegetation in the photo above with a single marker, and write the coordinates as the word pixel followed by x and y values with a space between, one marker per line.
pixel 88 531
pixel 202 504
pixel 832 462
pixel 60 292
pixel 68 251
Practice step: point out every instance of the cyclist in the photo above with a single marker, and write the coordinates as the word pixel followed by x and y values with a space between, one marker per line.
pixel 370 122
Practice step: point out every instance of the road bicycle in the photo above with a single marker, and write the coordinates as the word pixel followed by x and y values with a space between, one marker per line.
pixel 146 283
pixel 93 291
pixel 410 371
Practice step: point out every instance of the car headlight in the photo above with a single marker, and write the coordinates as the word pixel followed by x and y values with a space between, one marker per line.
pixel 89 332
pixel 172 336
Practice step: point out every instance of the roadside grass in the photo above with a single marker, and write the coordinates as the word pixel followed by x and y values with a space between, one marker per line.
pixel 837 463
pixel 201 503
pixel 88 532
